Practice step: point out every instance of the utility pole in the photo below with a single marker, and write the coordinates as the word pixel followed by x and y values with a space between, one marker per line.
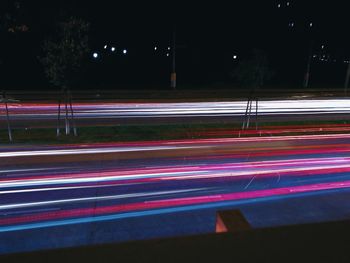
pixel 173 71
pixel 308 69
pixel 309 61
pixel 9 130
pixel 347 80
pixel 58 117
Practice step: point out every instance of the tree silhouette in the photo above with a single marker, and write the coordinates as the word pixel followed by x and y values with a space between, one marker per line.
pixel 11 21
pixel 63 59
pixel 63 56
pixel 253 72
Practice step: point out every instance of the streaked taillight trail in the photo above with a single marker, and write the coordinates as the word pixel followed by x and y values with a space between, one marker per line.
pixel 145 178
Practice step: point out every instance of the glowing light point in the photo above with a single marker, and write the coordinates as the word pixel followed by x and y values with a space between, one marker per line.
pixel 125 51
pixel 105 47
pixel 155 48
pixel 112 49
pixel 95 55
pixel 235 56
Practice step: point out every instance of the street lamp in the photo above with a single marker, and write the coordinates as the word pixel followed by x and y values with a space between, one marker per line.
pixel 347 79
pixel 308 67
pixel 173 72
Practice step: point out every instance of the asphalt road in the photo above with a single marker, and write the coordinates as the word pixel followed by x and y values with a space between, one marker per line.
pixel 61 196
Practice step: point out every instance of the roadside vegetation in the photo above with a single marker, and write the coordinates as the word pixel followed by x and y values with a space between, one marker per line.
pixel 128 133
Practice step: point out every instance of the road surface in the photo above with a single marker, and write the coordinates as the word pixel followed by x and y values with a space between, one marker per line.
pixel 61 196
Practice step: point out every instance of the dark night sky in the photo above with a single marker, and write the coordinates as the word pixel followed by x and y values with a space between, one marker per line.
pixel 208 32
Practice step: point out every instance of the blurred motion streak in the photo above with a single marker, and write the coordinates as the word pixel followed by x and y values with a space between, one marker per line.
pixel 107 181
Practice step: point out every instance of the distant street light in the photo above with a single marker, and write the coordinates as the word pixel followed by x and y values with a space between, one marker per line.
pixel 125 51
pixel 112 49
pixel 95 55
pixel 105 47
pixel 235 57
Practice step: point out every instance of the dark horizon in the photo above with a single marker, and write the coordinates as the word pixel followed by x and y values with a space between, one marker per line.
pixel 208 36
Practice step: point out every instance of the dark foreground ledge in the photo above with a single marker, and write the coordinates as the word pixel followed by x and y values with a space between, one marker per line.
pixel 326 242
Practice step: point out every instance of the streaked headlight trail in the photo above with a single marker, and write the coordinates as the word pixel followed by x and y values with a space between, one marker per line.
pixel 115 111
pixel 184 173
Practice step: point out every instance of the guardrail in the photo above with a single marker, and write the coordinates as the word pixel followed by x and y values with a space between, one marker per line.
pixel 322 242
pixel 232 221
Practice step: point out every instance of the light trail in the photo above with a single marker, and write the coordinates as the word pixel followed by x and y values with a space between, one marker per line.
pixel 99 198
pixel 165 145
pixel 187 173
pixel 95 183
pixel 170 203
pixel 88 151
pixel 185 109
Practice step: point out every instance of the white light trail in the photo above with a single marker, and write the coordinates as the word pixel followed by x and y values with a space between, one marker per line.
pixel 89 151
pixel 170 145
pixel 99 198
pixel 175 173
pixel 29 170
pixel 140 110
pixel 57 180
